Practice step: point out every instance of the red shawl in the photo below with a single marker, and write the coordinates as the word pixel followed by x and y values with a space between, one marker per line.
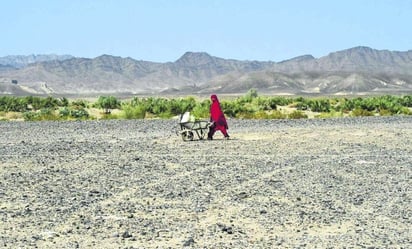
pixel 216 114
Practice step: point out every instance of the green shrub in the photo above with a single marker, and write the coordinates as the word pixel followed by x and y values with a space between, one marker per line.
pixel 345 105
pixel 165 115
pixel 358 112
pixel 182 105
pixel 48 114
pixel 202 109
pixel 405 111
pixel 64 112
pixel 109 116
pixel 107 103
pixel 406 101
pixel 276 115
pixel 282 101
pixel 260 115
pixel 134 112
pixel 80 113
pixel 41 115
pixel 319 105
pixel 30 116
pixel 297 115
pixel 245 115
pixel 385 112
pixel 250 95
pixel 232 108
pixel 13 104
pixel 301 106
pixel 331 114
pixel 264 103
pixel 156 106
pixel 77 104
pixel 264 115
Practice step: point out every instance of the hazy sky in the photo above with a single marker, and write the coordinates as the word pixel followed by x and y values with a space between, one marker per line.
pixel 163 30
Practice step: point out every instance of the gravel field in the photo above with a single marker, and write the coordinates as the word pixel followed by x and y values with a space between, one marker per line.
pixel 313 183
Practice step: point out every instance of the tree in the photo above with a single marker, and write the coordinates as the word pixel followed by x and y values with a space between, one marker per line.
pixel 250 95
pixel 107 103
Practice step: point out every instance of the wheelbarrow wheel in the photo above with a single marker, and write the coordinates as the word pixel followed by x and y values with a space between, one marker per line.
pixel 187 136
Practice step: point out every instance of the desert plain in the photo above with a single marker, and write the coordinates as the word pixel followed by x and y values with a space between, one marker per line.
pixel 312 183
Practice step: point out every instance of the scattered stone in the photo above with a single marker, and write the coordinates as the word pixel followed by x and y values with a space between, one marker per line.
pixel 126 235
pixel 189 242
pixel 280 183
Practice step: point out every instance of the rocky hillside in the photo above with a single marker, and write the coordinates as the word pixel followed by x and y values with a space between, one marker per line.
pixel 19 61
pixel 358 70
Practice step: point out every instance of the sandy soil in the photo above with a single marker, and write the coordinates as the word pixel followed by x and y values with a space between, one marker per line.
pixel 335 183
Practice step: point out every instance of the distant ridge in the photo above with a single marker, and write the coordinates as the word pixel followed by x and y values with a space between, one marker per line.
pixel 19 61
pixel 301 58
pixel 358 70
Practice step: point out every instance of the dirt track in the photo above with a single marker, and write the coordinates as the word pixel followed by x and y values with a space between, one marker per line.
pixel 336 183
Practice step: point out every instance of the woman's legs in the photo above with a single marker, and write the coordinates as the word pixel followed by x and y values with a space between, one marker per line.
pixel 212 131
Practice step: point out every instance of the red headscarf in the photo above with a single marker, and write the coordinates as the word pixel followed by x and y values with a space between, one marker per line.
pixel 216 114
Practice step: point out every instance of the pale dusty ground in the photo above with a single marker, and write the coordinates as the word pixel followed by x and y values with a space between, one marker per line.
pixel 338 183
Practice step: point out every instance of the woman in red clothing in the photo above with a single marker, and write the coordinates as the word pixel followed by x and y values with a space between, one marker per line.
pixel 218 118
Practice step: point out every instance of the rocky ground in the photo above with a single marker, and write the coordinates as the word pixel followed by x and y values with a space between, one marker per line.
pixel 314 183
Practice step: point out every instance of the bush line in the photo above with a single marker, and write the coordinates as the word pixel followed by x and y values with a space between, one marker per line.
pixel 249 106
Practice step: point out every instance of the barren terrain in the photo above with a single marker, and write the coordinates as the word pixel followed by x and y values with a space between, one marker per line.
pixel 313 183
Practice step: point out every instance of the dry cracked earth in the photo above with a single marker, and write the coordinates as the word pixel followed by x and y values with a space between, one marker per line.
pixel 314 183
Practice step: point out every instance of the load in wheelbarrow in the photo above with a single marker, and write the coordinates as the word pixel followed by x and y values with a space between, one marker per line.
pixel 190 128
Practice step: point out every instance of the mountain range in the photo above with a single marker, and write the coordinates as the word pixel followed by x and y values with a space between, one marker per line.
pixel 358 70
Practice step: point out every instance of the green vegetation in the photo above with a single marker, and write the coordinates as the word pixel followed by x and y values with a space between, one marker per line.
pixel 249 106
pixel 107 103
